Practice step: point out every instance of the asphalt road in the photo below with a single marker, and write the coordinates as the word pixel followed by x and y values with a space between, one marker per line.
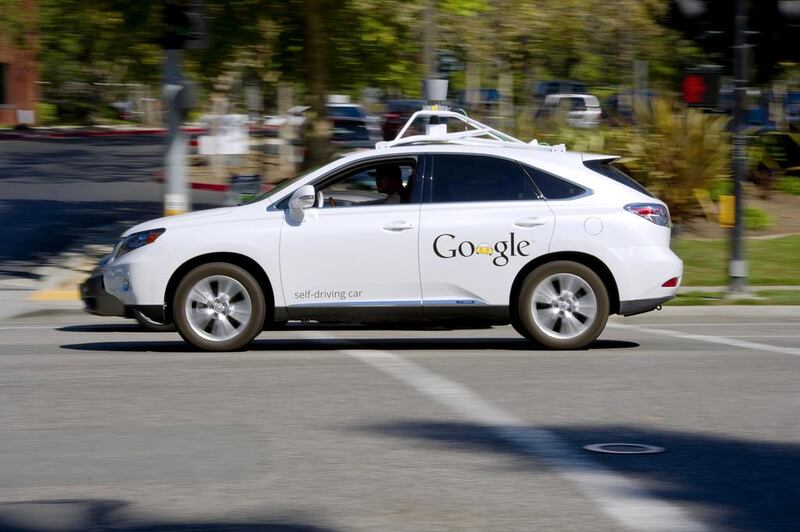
pixel 105 427
pixel 59 191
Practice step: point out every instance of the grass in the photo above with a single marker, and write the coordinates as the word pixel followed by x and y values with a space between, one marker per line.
pixel 771 262
pixel 762 297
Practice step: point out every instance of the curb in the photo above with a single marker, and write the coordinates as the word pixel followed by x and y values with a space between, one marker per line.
pixel 71 294
pixel 38 135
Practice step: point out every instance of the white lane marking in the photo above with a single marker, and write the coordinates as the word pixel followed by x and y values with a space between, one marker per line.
pixel 623 499
pixel 723 324
pixel 756 346
pixel 26 328
pixel 763 336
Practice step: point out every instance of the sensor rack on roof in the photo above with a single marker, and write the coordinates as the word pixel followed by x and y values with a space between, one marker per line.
pixel 473 131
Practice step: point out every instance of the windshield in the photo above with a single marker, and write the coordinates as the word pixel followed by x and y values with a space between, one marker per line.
pixel 281 185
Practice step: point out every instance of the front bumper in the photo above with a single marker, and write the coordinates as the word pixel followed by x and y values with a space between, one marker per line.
pixel 97 301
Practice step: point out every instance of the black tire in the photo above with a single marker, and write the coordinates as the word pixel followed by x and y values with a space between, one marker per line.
pixel 187 320
pixel 573 325
pixel 152 325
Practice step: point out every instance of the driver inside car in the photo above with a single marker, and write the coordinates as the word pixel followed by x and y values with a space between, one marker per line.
pixel 389 181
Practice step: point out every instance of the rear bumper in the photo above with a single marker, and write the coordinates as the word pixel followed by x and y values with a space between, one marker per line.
pixel 97 301
pixel 639 306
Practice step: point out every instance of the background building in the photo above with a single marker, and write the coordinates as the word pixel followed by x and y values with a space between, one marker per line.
pixel 18 73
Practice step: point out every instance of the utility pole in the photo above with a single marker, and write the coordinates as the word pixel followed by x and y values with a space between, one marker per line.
pixel 737 267
pixel 184 27
pixel 429 40
pixel 176 195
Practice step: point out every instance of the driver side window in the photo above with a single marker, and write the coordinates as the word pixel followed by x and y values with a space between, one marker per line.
pixel 382 183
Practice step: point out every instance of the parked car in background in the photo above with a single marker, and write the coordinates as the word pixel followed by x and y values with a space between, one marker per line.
pixel 577 110
pixel 621 107
pixel 348 133
pixel 397 114
pixel 792 109
pixel 351 126
pixel 542 89
pixel 486 103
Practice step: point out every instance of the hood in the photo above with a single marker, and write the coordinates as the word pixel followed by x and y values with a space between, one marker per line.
pixel 179 220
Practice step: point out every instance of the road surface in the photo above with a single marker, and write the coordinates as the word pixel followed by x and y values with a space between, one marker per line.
pixel 105 427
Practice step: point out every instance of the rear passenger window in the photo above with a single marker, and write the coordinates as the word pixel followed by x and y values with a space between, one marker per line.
pixel 459 178
pixel 553 187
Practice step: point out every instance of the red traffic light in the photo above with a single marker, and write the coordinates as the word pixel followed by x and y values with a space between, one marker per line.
pixel 701 89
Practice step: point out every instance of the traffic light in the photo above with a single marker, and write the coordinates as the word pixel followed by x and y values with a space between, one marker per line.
pixel 700 88
pixel 184 24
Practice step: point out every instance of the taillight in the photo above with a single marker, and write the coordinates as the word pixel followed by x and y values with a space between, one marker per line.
pixel 392 116
pixel 672 283
pixel 653 212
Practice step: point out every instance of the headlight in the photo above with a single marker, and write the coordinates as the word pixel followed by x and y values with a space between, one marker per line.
pixel 136 240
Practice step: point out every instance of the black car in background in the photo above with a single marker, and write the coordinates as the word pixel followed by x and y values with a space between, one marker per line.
pixel 397 114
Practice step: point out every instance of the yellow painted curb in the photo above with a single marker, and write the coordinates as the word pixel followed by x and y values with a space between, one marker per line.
pixel 56 295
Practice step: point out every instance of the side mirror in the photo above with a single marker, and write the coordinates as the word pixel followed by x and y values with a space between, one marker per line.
pixel 303 198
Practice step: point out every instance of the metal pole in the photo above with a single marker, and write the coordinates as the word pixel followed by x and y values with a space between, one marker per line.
pixel 429 40
pixel 176 197
pixel 737 267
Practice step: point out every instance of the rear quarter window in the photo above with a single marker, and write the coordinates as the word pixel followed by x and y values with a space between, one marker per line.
pixel 553 187
pixel 605 168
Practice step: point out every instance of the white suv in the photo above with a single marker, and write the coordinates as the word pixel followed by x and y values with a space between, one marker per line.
pixel 428 227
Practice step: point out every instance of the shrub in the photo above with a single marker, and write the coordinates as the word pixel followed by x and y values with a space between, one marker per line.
pixel 756 219
pixel 789 184
pixel 46 113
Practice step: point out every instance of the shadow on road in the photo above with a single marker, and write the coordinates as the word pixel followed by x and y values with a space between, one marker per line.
pixel 332 344
pixel 100 514
pixel 103 328
pixel 735 484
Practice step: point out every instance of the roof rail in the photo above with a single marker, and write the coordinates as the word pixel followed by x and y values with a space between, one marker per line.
pixel 473 131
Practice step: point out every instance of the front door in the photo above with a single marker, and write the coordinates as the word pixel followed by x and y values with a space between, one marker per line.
pixel 355 253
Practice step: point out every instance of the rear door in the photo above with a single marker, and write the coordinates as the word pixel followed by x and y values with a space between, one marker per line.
pixel 481 222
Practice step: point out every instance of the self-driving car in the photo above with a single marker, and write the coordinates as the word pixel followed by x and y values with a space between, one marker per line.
pixel 460 222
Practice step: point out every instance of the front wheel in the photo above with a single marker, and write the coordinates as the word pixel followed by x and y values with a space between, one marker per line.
pixel 563 305
pixel 219 307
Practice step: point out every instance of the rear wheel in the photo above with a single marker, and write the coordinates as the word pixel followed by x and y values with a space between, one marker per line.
pixel 219 307
pixel 563 305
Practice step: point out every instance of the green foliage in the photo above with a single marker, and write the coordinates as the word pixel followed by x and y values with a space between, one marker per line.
pixel 46 114
pixel 88 44
pixel 720 187
pixel 756 219
pixel 789 184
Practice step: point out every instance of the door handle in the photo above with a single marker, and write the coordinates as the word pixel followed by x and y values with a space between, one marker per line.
pixel 398 225
pixel 532 221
